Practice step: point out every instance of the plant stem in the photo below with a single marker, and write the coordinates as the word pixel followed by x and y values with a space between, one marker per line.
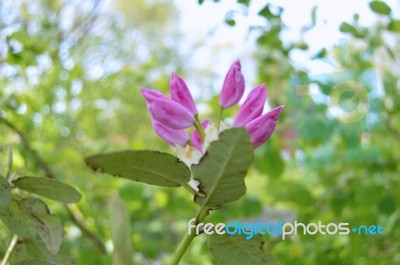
pixel 197 125
pixel 9 250
pixel 187 239
pixel 219 117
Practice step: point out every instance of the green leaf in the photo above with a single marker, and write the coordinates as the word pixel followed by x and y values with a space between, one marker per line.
pixel 121 232
pixel 15 219
pixel 380 7
pixel 244 2
pixel 394 26
pixel 33 250
pixel 47 226
pixel 222 170
pixel 5 192
pixel 151 167
pixel 236 250
pixel 348 28
pixel 50 188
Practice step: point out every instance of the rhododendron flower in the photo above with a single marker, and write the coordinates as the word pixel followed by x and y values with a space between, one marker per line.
pixel 166 111
pixel 173 137
pixel 233 87
pixel 261 128
pixel 252 107
pixel 181 94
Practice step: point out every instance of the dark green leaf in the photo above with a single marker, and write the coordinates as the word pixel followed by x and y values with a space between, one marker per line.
pixel 149 167
pixel 222 170
pixel 47 226
pixel 380 7
pixel 236 250
pixel 33 250
pixel 5 192
pixel 50 188
pixel 230 22
pixel 15 219
pixel 244 2
pixel 394 26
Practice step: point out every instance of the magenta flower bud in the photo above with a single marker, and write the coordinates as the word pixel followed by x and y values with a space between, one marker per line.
pixel 196 140
pixel 172 137
pixel 170 113
pixel 181 94
pixel 233 87
pixel 261 128
pixel 150 94
pixel 252 107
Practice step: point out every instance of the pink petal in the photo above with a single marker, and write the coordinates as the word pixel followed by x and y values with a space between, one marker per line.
pixel 233 87
pixel 181 94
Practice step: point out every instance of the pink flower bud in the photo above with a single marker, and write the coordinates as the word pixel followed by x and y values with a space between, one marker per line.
pixel 261 128
pixel 149 95
pixel 196 140
pixel 181 94
pixel 170 113
pixel 233 87
pixel 166 111
pixel 173 137
pixel 252 107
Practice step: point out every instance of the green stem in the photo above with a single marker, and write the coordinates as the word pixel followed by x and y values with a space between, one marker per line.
pixel 14 241
pixel 187 239
pixel 219 117
pixel 197 125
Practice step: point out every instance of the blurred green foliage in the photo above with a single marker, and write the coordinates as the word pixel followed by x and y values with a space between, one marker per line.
pixel 70 73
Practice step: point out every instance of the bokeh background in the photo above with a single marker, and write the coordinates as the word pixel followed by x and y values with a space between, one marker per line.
pixel 70 73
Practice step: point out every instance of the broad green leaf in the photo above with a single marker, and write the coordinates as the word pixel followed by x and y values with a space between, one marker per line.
pixel 47 226
pixel 222 170
pixel 50 188
pixel 237 250
pixel 5 192
pixel 380 7
pixel 121 232
pixel 15 219
pixel 34 250
pixel 151 167
pixel 394 26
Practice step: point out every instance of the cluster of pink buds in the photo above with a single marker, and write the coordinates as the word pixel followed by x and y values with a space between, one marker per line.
pixel 171 117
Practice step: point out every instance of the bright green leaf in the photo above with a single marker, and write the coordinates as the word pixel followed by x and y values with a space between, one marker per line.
pixel 348 28
pixel 5 192
pixel 268 160
pixel 121 232
pixel 380 7
pixel 50 188
pixel 222 170
pixel 151 167
pixel 47 226
pixel 237 250
pixel 394 26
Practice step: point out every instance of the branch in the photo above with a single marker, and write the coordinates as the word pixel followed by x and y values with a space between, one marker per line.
pixel 49 174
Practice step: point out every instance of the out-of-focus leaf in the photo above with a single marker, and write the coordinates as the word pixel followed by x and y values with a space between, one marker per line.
pixel 5 192
pixel 149 167
pixel 394 26
pixel 47 226
pixel 268 160
pixel 222 170
pixel 15 219
pixel 34 250
pixel 348 28
pixel 121 232
pixel 236 250
pixel 244 2
pixel 380 7
pixel 50 188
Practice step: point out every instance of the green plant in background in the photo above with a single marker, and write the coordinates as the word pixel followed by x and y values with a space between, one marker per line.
pixel 28 217
pixel 211 165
